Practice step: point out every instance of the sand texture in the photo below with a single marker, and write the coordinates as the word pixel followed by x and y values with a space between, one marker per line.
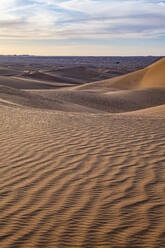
pixel 83 166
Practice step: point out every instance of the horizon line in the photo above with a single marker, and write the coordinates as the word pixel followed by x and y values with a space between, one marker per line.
pixel 33 55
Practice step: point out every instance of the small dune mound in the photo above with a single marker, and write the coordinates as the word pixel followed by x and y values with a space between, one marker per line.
pixel 152 76
pixel 46 77
pixel 39 75
pixel 26 99
pixel 22 83
pixel 7 71
pixel 27 83
pixel 23 99
pixel 83 74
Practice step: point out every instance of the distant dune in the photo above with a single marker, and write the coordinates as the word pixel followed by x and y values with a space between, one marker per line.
pixel 20 82
pixel 83 74
pixel 152 76
pixel 48 77
pixel 7 71
pixel 83 166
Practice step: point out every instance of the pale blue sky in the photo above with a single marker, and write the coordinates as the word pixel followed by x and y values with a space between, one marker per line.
pixel 82 27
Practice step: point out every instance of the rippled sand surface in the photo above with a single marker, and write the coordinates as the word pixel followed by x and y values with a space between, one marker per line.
pixel 82 180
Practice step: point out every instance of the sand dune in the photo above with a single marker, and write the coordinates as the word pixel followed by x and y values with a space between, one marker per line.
pixel 48 77
pixel 152 76
pixel 83 168
pixel 83 74
pixel 22 98
pixel 155 75
pixel 112 102
pixel 25 99
pixel 7 71
pixel 25 83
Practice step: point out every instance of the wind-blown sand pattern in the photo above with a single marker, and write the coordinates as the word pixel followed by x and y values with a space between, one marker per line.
pixel 77 175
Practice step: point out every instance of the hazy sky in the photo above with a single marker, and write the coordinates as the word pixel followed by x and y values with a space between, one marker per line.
pixel 82 27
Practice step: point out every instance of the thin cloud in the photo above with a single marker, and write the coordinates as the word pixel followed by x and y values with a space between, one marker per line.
pixel 74 19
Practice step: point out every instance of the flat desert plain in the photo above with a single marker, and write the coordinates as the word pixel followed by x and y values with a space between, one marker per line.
pixel 82 164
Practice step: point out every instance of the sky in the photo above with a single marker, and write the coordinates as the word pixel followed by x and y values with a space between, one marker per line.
pixel 82 27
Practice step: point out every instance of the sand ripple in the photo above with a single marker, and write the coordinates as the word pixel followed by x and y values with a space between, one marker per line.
pixel 79 180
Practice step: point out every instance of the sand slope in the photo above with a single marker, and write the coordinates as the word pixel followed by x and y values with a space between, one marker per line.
pixel 25 99
pixel 107 101
pixel 83 74
pixel 150 77
pixel 154 75
pixel 7 71
pixel 74 175
pixel 48 77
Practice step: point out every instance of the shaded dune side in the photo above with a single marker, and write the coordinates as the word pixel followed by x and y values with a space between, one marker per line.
pixel 156 111
pixel 49 77
pixel 21 83
pixel 23 99
pixel 112 102
pixel 70 181
pixel 83 74
pixel 7 71
pixel 152 76
pixel 27 83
